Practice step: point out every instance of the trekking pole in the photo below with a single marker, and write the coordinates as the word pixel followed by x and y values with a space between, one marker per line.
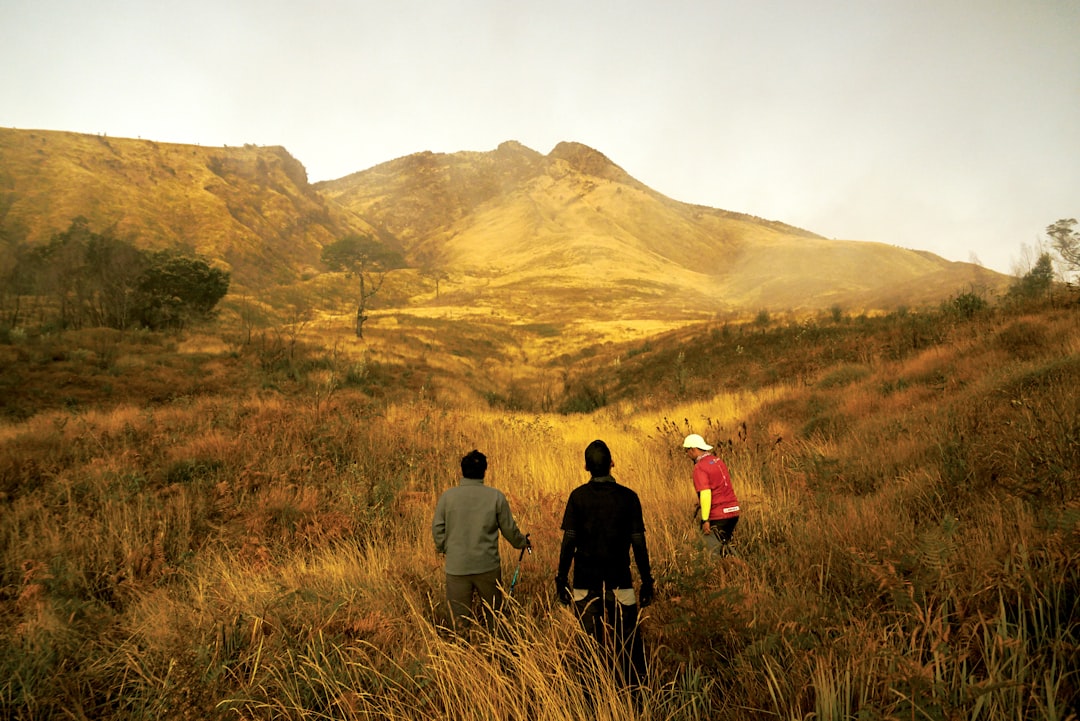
pixel 517 571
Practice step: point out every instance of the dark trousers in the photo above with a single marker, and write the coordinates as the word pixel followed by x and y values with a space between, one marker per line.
pixel 721 532
pixel 459 596
pixel 614 628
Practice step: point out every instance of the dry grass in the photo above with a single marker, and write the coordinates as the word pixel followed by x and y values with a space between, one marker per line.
pixel 910 545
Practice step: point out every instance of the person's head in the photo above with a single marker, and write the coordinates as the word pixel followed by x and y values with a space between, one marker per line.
pixel 598 459
pixel 695 446
pixel 474 465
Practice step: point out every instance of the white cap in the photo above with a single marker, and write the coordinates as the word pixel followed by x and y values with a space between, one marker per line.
pixel 695 441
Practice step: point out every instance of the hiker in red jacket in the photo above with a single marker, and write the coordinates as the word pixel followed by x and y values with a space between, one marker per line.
pixel 718 507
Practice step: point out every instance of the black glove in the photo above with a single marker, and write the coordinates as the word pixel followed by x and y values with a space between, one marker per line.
pixel 646 594
pixel 562 591
pixel 528 543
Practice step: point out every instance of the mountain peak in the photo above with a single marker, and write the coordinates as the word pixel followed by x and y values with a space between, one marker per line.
pixel 588 161
pixel 513 146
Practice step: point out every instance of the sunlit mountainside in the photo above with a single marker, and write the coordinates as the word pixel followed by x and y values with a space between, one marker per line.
pixel 570 231
pixel 573 220
pixel 251 209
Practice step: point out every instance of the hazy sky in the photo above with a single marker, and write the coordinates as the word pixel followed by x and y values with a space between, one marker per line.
pixel 943 125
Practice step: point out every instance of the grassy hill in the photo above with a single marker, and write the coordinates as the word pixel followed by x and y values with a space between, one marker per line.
pixel 217 525
pixel 249 208
pixel 572 227
pixel 571 232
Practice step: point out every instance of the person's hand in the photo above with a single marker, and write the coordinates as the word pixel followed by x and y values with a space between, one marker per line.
pixel 706 528
pixel 562 591
pixel 646 594
pixel 528 543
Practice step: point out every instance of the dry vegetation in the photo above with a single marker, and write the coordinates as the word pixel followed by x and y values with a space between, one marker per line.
pixel 235 524
pixel 510 222
pixel 250 207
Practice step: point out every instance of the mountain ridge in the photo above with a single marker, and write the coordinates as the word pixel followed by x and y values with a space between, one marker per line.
pixel 250 208
pixel 595 220
pixel 571 227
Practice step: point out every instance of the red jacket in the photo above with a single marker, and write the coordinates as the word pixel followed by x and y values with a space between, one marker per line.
pixel 710 473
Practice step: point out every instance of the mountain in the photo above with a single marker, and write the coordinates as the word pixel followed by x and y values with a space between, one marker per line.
pixel 251 208
pixel 573 223
pixel 569 231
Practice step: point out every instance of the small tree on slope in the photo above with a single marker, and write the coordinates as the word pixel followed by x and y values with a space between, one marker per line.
pixel 369 261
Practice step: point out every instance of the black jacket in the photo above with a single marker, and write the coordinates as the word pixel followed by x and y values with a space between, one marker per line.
pixel 601 523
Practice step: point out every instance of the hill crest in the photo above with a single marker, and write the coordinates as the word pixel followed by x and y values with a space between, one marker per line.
pixel 571 228
pixel 575 219
pixel 250 208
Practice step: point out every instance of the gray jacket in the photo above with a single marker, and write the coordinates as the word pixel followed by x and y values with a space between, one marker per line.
pixel 468 520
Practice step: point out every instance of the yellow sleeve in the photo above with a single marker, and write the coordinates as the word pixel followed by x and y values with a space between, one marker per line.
pixel 706 503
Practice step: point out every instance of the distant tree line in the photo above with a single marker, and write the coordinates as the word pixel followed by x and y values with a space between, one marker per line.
pixel 87 279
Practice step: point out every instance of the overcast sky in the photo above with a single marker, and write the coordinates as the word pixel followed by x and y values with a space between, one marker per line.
pixel 944 125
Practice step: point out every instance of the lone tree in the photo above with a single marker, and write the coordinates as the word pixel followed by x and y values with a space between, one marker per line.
pixel 435 274
pixel 431 266
pixel 367 259
pixel 1066 242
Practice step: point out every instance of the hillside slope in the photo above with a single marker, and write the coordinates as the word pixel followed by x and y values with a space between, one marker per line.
pixel 573 225
pixel 250 208
pixel 565 235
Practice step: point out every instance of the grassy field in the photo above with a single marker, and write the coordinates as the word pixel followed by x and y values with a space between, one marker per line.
pixel 237 525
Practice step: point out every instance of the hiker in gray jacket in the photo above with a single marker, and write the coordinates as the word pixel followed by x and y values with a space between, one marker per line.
pixel 468 520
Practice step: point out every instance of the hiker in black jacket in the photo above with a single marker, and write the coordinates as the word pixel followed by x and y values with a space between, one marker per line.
pixel 602 522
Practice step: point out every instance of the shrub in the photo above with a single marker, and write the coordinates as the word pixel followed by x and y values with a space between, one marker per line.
pixel 582 398
pixel 176 289
pixel 965 305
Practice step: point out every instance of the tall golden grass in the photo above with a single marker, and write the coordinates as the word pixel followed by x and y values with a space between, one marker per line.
pixel 910 545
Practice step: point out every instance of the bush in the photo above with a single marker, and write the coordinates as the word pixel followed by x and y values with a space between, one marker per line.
pixel 175 289
pixel 965 305
pixel 582 398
